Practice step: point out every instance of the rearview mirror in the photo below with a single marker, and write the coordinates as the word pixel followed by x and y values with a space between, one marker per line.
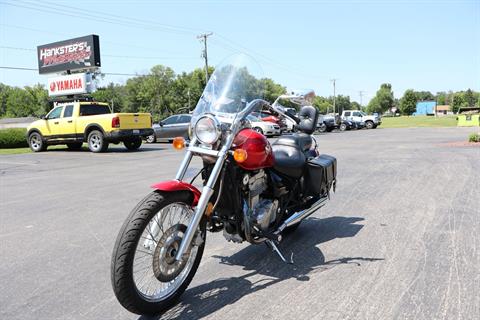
pixel 160 123
pixel 43 117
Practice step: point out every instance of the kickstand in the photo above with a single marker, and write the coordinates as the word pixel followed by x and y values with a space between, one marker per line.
pixel 274 247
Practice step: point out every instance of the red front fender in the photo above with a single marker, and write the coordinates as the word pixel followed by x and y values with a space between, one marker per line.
pixel 176 185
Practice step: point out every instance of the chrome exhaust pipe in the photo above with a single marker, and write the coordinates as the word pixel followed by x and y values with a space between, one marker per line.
pixel 300 215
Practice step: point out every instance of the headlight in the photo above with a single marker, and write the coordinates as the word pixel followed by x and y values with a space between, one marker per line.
pixel 207 129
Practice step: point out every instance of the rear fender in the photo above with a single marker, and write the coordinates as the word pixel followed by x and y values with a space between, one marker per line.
pixel 177 185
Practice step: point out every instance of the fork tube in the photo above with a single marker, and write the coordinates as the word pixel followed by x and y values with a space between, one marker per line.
pixel 207 192
pixel 185 163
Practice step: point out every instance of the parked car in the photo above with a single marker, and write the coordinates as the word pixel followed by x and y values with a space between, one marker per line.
pixel 327 123
pixel 371 122
pixel 75 122
pixel 274 118
pixel 171 127
pixel 264 127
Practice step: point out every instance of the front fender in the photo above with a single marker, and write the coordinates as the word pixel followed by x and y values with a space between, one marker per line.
pixel 177 185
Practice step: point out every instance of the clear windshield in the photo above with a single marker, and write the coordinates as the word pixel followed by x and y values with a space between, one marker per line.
pixel 235 83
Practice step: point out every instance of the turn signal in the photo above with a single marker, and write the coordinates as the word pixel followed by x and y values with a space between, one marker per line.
pixel 178 143
pixel 240 155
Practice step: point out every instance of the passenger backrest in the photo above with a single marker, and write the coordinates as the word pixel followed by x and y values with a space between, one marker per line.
pixel 308 116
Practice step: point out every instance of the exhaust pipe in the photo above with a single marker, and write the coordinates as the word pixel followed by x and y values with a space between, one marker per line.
pixel 300 215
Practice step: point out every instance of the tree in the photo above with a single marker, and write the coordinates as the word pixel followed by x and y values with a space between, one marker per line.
pixel 4 91
pixel 408 103
pixel 354 105
pixel 424 96
pixel 470 98
pixel 272 90
pixel 383 99
pixel 458 102
pixel 342 103
pixel 113 94
pixel 324 105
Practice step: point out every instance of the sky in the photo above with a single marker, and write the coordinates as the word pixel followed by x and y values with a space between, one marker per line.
pixel 423 45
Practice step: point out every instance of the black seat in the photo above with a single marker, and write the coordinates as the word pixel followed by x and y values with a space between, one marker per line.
pixel 291 151
pixel 289 160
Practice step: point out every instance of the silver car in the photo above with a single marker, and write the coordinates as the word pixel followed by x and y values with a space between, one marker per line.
pixel 171 127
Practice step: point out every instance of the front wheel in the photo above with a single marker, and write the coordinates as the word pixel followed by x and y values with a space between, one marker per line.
pixel 369 125
pixel 258 129
pixel 343 127
pixel 146 278
pixel 36 143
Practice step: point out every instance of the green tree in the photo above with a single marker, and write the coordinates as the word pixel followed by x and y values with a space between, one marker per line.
pixel 114 94
pixel 383 99
pixel 424 96
pixel 20 104
pixel 272 90
pixel 470 98
pixel 342 103
pixel 4 91
pixel 408 102
pixel 354 105
pixel 458 102
pixel 324 105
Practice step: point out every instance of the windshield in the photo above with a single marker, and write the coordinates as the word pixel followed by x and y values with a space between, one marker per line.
pixel 235 83
pixel 253 118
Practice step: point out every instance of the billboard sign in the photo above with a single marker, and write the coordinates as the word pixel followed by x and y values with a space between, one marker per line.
pixel 77 83
pixel 73 54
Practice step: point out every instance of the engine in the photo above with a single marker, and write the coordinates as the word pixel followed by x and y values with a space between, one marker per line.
pixel 263 210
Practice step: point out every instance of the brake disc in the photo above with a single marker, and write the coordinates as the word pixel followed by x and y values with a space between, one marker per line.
pixel 165 267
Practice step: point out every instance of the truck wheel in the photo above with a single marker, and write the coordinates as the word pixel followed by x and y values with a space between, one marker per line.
pixel 343 127
pixel 36 143
pixel 151 139
pixel 322 128
pixel 74 146
pixel 369 124
pixel 133 144
pixel 96 141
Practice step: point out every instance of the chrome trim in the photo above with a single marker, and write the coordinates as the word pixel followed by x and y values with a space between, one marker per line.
pixel 201 150
pixel 300 215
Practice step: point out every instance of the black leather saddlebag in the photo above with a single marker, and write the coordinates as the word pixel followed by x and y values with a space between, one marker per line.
pixel 321 175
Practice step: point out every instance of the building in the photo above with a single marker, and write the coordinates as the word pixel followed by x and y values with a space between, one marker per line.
pixel 425 108
pixel 443 110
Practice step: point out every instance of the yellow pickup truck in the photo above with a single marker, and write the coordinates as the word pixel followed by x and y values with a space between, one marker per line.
pixel 76 122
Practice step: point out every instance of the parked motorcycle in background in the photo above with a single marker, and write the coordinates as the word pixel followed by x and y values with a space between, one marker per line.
pixel 252 191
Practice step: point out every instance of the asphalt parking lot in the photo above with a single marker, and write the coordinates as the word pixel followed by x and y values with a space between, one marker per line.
pixel 398 240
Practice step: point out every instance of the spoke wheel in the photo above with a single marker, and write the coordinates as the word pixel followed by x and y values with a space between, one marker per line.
pixel 146 277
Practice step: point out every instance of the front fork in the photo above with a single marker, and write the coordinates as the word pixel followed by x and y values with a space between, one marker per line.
pixel 207 192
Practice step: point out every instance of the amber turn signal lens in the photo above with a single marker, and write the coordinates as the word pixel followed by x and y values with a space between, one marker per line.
pixel 240 155
pixel 179 143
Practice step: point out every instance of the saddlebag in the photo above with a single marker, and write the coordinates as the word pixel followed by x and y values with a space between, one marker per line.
pixel 321 175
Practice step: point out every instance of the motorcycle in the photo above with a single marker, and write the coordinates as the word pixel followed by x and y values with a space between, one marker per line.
pixel 252 191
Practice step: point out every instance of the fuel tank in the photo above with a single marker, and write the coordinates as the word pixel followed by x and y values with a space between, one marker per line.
pixel 259 151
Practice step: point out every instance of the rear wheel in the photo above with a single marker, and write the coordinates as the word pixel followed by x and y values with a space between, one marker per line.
pixel 343 127
pixel 146 278
pixel 96 141
pixel 36 143
pixel 322 128
pixel 74 146
pixel 133 144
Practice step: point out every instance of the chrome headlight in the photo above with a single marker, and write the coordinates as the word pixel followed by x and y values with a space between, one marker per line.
pixel 207 129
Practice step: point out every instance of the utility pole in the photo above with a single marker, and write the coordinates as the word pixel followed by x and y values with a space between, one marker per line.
pixel 203 37
pixel 334 95
pixel 361 98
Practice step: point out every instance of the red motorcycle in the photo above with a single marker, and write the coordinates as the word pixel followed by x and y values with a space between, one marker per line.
pixel 252 191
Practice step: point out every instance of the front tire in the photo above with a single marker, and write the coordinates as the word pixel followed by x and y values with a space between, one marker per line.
pixel 343 127
pixel 36 143
pixel 258 129
pixel 140 235
pixel 369 124
pixel 96 142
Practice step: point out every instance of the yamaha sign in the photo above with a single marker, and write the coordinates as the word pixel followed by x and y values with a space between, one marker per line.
pixel 71 84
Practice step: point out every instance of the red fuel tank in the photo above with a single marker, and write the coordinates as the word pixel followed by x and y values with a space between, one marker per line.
pixel 259 151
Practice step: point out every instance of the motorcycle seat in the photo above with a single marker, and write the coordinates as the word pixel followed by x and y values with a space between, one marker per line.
pixel 289 156
pixel 301 140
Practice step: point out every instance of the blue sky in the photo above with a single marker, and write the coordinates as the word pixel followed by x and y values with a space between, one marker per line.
pixel 425 45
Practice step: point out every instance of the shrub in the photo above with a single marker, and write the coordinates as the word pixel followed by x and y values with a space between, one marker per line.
pixel 13 138
pixel 474 137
